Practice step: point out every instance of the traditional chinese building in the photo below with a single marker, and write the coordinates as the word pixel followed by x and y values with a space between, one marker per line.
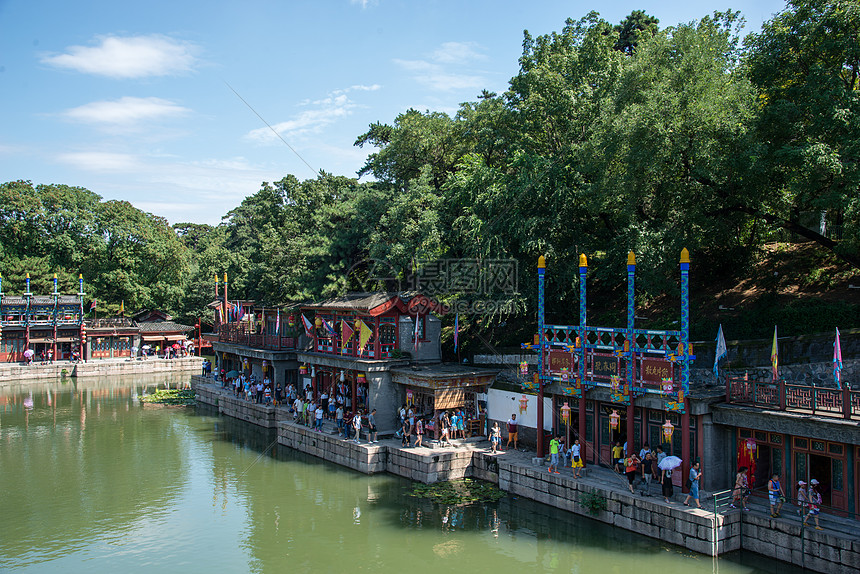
pixel 41 323
pixel 378 350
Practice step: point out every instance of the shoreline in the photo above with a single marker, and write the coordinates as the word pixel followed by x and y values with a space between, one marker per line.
pixel 16 373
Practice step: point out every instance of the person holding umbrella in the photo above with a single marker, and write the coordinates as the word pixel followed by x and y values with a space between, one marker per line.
pixel 667 465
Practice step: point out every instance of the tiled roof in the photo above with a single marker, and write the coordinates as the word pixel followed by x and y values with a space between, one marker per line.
pixel 163 327
pixel 362 302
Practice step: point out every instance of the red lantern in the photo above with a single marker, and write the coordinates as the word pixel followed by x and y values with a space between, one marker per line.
pixel 614 420
pixel 565 413
pixel 361 378
pixel 303 370
pixel 668 431
pixel 291 320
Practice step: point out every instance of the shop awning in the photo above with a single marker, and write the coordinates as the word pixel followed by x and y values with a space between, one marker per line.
pixel 175 337
pixel 450 398
pixel 152 337
pixel 66 339
pixel 41 340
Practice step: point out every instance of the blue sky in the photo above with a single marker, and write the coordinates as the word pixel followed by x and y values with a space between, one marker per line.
pixel 133 100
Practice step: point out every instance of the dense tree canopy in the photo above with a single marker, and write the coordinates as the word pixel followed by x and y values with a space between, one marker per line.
pixel 610 138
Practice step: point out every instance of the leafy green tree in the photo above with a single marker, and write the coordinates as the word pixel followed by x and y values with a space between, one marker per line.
pixel 633 29
pixel 805 64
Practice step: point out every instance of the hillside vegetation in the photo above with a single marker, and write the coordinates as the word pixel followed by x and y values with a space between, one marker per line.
pixel 610 138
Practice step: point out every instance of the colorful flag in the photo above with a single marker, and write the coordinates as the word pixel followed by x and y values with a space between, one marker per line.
pixel 217 315
pixel 93 304
pixel 837 361
pixel 415 336
pixel 346 334
pixel 329 329
pixel 309 327
pixel 122 308
pixel 774 356
pixel 240 312
pixel 722 351
pixel 278 324
pixel 364 334
pixel 456 331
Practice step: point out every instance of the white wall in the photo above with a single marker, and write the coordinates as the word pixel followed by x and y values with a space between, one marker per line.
pixel 500 405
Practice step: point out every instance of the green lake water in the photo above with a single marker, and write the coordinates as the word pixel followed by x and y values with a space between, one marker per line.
pixel 93 481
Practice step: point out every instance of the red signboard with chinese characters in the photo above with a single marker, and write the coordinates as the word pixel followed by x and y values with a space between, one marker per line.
pixel 604 366
pixel 655 370
pixel 559 360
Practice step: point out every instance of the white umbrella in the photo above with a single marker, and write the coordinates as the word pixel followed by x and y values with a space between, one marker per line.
pixel 146 347
pixel 29 353
pixel 669 463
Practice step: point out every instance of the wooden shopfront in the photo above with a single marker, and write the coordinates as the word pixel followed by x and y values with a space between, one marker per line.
pixel 795 458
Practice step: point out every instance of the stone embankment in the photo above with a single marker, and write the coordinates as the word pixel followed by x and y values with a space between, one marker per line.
pixel 18 373
pixel 698 530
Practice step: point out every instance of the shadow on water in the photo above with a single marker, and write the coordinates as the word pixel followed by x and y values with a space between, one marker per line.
pixel 509 517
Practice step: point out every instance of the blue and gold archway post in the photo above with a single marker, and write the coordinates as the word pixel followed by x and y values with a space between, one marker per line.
pixel 629 346
pixel 686 355
pixel 541 347
pixel 580 350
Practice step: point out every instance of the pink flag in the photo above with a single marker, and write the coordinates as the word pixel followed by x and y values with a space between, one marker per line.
pixel 415 345
pixel 837 361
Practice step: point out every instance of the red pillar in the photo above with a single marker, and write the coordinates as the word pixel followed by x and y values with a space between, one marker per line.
pixel 631 410
pixel 581 432
pixel 540 451
pixel 685 445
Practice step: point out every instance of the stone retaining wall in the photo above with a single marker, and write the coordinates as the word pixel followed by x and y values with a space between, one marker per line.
pixel 367 459
pixel 17 373
pixel 260 415
pixel 818 550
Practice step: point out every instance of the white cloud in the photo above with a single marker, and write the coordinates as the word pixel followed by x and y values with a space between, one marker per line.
pixel 127 57
pixel 448 68
pixel 363 3
pixel 100 161
pixel 457 53
pixel 125 111
pixel 324 112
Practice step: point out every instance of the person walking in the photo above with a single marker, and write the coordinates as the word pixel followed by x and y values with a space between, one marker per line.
pixel 406 433
pixel 419 432
pixel 356 424
pixel 495 437
pixel 513 427
pixel 617 456
pixel 631 464
pixel 740 493
pixel 338 418
pixel 576 459
pixel 814 503
pixel 553 455
pixel 775 495
pixel 318 415
pixel 371 426
pixel 647 472
pixel 666 481
pixel 802 499
pixel 693 484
